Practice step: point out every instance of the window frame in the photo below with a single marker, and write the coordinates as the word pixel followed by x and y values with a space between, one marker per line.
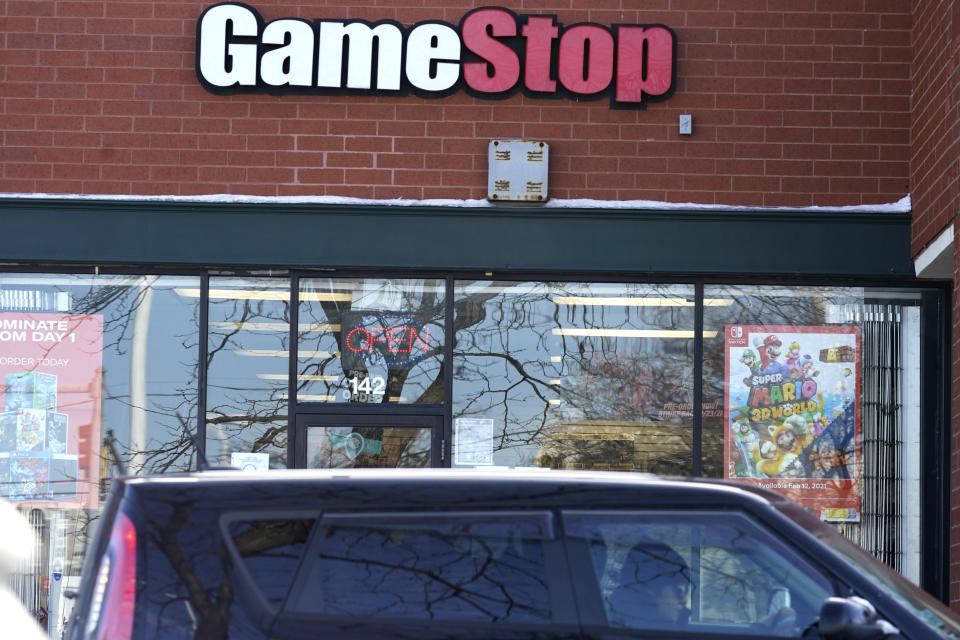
pixel 246 584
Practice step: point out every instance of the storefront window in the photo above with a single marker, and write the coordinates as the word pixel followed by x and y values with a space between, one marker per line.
pixel 811 391
pixel 359 447
pixel 368 341
pixel 99 377
pixel 814 392
pixel 248 351
pixel 573 375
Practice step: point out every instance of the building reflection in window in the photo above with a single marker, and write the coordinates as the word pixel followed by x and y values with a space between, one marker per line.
pixel 573 375
pixel 99 376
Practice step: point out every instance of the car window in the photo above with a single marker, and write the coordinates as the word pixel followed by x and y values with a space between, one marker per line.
pixel 428 566
pixel 270 548
pixel 703 572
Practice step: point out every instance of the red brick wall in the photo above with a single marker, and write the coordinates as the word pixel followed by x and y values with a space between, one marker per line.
pixel 936 119
pixel 795 102
pixel 935 187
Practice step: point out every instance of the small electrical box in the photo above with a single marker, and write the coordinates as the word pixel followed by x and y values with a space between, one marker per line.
pixel 517 171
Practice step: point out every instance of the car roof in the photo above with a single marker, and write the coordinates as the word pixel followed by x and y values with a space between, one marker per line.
pixel 452 487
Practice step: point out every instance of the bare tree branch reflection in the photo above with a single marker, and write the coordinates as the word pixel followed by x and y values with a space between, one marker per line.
pixel 559 361
pixel 209 594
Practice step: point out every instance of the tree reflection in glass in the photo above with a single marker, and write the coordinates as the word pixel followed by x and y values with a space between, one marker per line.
pixel 461 567
pixel 575 375
pixel 247 368
pixel 371 341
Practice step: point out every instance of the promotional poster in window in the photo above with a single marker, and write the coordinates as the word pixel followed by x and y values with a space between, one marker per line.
pixel 793 415
pixel 51 366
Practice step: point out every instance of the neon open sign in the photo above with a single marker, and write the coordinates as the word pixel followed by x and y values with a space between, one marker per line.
pixel 385 339
pixel 492 53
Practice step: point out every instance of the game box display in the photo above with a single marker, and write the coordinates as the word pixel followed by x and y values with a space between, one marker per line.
pixel 34 440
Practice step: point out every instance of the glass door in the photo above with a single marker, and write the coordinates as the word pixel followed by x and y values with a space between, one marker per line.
pixel 355 441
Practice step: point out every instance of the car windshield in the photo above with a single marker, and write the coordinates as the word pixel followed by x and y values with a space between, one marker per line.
pixel 902 590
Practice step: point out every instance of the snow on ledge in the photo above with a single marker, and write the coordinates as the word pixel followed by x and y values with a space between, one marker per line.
pixel 901 206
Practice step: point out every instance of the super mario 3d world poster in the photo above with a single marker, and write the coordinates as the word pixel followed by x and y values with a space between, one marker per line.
pixel 793 415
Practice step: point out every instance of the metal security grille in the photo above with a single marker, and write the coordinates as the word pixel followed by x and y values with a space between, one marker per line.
pixel 880 528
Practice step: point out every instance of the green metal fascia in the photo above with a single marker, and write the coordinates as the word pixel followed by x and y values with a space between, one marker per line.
pixel 832 243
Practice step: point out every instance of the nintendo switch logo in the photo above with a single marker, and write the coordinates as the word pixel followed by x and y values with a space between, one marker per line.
pixel 735 336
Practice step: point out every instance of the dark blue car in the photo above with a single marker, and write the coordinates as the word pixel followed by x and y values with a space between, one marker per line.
pixel 462 554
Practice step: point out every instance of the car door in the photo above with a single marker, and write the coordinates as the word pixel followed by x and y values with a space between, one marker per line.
pixel 690 574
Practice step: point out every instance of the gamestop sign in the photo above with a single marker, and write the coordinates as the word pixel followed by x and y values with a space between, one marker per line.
pixel 492 53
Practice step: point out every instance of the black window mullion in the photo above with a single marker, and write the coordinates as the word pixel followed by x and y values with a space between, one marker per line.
pixel 935 449
pixel 446 454
pixel 294 346
pixel 204 320
pixel 697 452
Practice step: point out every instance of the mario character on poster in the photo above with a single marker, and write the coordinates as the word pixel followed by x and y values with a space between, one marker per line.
pixel 793 415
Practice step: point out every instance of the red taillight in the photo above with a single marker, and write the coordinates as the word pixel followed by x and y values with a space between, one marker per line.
pixel 121 589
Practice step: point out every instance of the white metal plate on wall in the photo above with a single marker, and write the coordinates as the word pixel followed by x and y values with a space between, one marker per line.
pixel 517 171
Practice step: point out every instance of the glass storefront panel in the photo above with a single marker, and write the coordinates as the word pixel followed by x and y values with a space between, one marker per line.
pixel 357 447
pixel 814 392
pixel 754 314
pixel 248 351
pixel 573 375
pixel 99 376
pixel 371 341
